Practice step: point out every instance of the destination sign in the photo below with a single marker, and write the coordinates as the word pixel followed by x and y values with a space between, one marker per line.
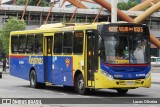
pixel 125 29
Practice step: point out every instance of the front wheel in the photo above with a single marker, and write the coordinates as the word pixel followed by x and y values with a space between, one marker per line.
pixel 122 91
pixel 80 85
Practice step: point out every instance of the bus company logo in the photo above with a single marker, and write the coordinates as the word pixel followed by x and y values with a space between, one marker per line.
pixel 67 62
pixel 35 60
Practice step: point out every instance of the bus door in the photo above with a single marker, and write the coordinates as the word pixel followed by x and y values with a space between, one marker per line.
pixel 92 56
pixel 48 59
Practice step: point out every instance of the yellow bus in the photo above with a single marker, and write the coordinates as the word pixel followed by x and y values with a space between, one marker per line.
pixel 84 56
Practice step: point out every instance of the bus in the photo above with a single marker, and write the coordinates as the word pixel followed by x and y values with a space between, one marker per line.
pixel 84 56
pixel 155 61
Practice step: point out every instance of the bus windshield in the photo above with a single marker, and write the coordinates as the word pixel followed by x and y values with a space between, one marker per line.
pixel 120 48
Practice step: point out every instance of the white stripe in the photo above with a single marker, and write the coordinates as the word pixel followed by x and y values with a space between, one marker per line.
pixel 63 94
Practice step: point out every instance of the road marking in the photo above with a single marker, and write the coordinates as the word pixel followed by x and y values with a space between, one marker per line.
pixel 84 96
pixel 136 104
pixel 46 91
pixel 63 94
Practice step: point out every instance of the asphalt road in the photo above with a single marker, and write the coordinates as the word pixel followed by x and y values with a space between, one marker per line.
pixel 12 87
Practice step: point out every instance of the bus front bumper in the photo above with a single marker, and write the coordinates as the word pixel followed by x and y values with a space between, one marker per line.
pixel 103 82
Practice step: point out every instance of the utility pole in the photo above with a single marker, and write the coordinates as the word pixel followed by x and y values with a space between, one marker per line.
pixel 114 11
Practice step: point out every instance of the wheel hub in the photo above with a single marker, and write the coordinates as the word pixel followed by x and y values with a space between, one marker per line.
pixel 32 79
pixel 81 84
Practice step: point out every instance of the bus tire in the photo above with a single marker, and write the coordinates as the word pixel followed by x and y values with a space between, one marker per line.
pixel 80 85
pixel 122 91
pixel 33 79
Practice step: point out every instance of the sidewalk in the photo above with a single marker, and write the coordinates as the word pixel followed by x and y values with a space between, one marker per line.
pixel 4 72
pixel 155 78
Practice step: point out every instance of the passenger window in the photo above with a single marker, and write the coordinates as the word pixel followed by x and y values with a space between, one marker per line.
pixel 38 43
pixel 30 44
pixel 67 42
pixel 58 43
pixel 22 44
pixel 78 42
pixel 14 44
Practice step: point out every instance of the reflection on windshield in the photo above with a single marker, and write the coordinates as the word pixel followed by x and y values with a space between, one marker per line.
pixel 124 49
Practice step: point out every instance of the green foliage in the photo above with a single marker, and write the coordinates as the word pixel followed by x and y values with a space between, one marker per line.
pixel 12 25
pixel 34 2
pixel 122 6
pixel 45 3
pixel 126 6
pixel 131 4
pixel 21 2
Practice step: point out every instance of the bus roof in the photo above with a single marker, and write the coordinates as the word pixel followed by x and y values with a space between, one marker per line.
pixel 59 27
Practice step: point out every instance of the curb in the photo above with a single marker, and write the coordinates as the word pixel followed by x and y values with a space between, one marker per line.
pixel 5 72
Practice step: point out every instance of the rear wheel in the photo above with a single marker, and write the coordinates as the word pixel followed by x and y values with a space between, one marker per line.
pixel 122 91
pixel 33 80
pixel 80 85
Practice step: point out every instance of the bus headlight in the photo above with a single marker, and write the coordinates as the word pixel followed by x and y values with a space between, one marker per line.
pixel 106 74
pixel 147 75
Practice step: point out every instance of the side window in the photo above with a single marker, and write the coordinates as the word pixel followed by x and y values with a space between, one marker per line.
pixel 78 42
pixel 30 44
pixel 38 43
pixel 58 43
pixel 14 44
pixel 22 44
pixel 67 42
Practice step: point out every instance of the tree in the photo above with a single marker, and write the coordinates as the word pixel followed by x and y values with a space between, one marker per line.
pixel 131 4
pixel 122 6
pixel 126 6
pixel 12 25
pixel 45 3
pixel 34 2
pixel 21 2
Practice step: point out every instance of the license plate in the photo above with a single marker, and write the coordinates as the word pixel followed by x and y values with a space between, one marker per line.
pixel 130 82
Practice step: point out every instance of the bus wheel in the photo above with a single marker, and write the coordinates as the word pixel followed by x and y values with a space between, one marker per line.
pixel 122 91
pixel 33 79
pixel 80 85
